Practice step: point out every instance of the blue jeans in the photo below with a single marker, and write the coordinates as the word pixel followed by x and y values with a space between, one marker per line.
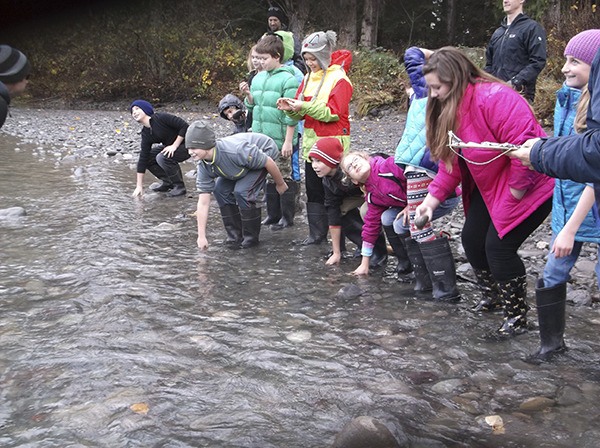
pixel 557 270
pixel 442 210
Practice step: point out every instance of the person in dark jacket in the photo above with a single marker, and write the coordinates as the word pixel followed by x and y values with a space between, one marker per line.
pixel 277 20
pixel 231 108
pixel 168 133
pixel 14 75
pixel 342 202
pixel 516 52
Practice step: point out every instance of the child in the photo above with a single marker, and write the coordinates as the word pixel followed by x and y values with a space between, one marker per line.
pixel 14 75
pixel 231 108
pixel 342 202
pixel 323 101
pixel 161 160
pixel 274 82
pixel 504 202
pixel 254 64
pixel 234 169
pixel 572 220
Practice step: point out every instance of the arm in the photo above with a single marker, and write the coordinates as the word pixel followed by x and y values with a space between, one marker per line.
pixel 536 47
pixel 139 185
pixel 336 245
pixel 273 170
pixel 202 219
pixel 563 243
pixel 337 104
pixel 287 147
pixel 170 150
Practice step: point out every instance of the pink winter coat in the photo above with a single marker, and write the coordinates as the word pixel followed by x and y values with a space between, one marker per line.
pixel 385 188
pixel 494 112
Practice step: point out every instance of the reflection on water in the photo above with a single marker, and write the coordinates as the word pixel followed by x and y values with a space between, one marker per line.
pixel 106 303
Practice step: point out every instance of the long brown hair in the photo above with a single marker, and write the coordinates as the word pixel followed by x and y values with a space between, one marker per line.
pixel 580 124
pixel 454 68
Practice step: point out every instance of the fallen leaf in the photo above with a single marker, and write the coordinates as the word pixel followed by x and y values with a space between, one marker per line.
pixel 495 421
pixel 139 408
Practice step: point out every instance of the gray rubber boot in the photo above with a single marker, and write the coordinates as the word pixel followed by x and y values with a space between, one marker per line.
pixel 352 228
pixel 551 304
pixel 439 261
pixel 317 223
pixel 396 241
pixel 232 220
pixel 272 204
pixel 422 278
pixel 250 227
pixel 287 205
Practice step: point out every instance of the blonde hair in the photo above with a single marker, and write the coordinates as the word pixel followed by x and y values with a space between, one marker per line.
pixel 580 124
pixel 347 179
pixel 455 69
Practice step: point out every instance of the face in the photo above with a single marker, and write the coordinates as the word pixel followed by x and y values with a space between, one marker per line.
pixel 357 168
pixel 321 169
pixel 274 24
pixel 18 88
pixel 256 61
pixel 512 6
pixel 197 154
pixel 577 73
pixel 269 62
pixel 230 111
pixel 137 114
pixel 311 62
pixel 437 89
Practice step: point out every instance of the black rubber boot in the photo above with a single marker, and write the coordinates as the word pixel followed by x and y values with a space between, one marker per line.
pixel 551 304
pixel 490 294
pixel 272 204
pixel 232 221
pixel 422 279
pixel 514 297
pixel 403 267
pixel 287 205
pixel 317 223
pixel 173 171
pixel 165 184
pixel 352 228
pixel 250 227
pixel 439 261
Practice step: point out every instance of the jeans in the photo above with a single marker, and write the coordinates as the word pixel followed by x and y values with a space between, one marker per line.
pixel 557 270
pixel 442 210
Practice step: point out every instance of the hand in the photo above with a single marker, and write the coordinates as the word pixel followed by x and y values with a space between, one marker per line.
pixel 244 88
pixel 361 270
pixel 404 215
pixel 524 151
pixel 517 194
pixel 287 149
pixel 423 210
pixel 334 259
pixel 281 188
pixel 563 244
pixel 202 243
pixel 283 104
pixel 137 192
pixel 168 151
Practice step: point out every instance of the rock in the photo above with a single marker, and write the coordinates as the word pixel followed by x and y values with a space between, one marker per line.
pixel 12 212
pixel 350 291
pixel 447 386
pixel 536 404
pixel 580 297
pixel 365 432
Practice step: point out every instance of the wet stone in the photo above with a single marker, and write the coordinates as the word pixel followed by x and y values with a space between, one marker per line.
pixel 536 404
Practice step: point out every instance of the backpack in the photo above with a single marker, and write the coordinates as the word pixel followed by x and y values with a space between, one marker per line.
pixel 342 58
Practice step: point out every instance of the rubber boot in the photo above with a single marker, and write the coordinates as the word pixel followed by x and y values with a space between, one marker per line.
pixel 165 184
pixel 422 279
pixel 551 304
pixel 287 205
pixel 317 223
pixel 352 228
pixel 514 297
pixel 250 227
pixel 490 294
pixel 232 221
pixel 273 205
pixel 173 171
pixel 403 267
pixel 439 262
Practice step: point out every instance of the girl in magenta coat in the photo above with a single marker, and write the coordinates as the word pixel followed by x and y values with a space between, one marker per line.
pixel 504 202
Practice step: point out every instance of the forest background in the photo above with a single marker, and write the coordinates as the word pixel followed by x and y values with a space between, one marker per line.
pixel 86 52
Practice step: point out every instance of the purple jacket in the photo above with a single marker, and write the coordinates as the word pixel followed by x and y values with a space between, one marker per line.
pixel 385 188
pixel 494 112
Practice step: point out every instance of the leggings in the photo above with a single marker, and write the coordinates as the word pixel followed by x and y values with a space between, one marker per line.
pixel 486 251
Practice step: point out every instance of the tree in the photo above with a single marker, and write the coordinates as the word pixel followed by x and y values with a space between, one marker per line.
pixel 370 23
pixel 348 35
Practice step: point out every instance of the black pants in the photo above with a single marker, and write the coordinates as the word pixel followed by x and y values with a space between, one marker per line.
pixel 483 247
pixel 314 185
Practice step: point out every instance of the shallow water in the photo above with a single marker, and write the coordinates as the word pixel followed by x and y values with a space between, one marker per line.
pixel 115 331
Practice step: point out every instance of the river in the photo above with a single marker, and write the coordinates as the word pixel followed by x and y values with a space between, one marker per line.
pixel 115 331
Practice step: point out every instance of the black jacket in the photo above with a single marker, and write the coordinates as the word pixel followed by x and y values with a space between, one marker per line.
pixel 4 102
pixel 164 128
pixel 517 53
pixel 335 193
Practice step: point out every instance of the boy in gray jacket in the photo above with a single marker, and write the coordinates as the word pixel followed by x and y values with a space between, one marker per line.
pixel 234 169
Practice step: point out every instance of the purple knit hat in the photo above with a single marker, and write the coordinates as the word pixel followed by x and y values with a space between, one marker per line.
pixel 584 46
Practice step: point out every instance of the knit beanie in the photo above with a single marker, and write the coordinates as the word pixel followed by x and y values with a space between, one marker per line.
pixel 328 150
pixel 144 105
pixel 14 66
pixel 200 136
pixel 274 11
pixel 320 45
pixel 584 46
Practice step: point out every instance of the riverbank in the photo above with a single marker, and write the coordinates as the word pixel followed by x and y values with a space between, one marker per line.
pixel 111 134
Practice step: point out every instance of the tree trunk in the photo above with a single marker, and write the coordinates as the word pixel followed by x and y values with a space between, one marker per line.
pixel 451 21
pixel 370 23
pixel 348 34
pixel 297 12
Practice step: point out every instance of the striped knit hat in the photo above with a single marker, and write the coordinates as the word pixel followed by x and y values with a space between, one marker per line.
pixel 328 150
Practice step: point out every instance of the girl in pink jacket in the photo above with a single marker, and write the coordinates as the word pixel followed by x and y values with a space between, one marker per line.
pixel 504 202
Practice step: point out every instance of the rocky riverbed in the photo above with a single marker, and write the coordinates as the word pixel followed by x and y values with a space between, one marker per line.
pixel 112 136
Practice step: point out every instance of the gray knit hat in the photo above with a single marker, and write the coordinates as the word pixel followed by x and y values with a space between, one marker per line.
pixel 200 135
pixel 14 66
pixel 320 45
